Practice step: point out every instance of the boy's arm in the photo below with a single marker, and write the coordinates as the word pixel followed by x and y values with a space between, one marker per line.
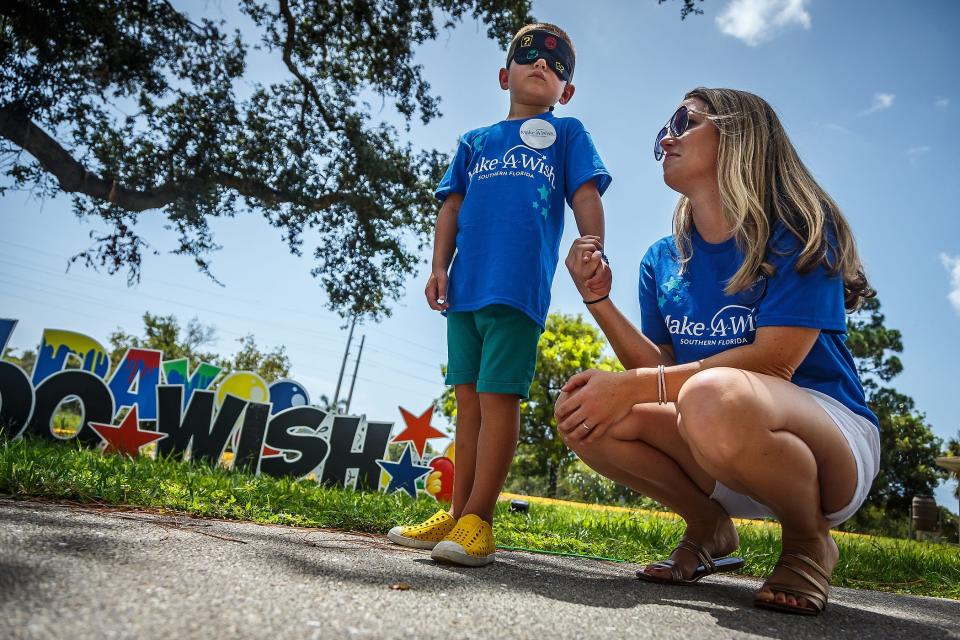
pixel 588 212
pixel 444 244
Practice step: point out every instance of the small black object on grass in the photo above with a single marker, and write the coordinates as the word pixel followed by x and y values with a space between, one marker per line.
pixel 519 506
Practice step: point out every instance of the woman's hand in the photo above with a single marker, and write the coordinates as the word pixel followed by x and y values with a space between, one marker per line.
pixel 597 400
pixel 591 275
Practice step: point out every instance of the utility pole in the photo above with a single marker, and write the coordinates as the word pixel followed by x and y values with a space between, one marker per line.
pixel 355 367
pixel 343 365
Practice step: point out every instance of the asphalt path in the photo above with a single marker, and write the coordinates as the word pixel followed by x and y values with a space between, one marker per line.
pixel 79 572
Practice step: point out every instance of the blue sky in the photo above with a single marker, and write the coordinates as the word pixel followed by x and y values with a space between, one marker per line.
pixel 868 92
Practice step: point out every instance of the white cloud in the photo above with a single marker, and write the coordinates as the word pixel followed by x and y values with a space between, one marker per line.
pixel 914 153
pixel 952 265
pixel 757 21
pixel 881 101
pixel 941 103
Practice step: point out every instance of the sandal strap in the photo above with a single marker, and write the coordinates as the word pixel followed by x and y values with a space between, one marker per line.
pixel 816 598
pixel 806 576
pixel 817 594
pixel 807 561
pixel 698 550
pixel 670 565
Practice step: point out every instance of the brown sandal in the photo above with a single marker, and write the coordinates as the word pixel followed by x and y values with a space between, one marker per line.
pixel 817 596
pixel 707 566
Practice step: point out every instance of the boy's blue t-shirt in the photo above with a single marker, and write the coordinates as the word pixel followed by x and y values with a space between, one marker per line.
pixel 515 176
pixel 692 313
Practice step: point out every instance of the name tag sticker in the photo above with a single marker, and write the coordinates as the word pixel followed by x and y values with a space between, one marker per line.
pixel 537 133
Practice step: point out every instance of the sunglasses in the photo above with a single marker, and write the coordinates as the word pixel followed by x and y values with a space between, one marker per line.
pixel 679 122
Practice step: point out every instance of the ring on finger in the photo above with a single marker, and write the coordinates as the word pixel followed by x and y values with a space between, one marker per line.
pixel 585 425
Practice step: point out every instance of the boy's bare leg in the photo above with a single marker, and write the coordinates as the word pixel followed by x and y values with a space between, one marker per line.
pixel 496 445
pixel 465 451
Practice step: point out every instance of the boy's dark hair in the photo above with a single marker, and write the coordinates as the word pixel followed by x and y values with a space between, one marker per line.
pixel 544 26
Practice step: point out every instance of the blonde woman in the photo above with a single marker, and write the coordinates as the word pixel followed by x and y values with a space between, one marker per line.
pixel 740 397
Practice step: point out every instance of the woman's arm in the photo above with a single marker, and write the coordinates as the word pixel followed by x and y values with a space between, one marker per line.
pixel 600 398
pixel 633 349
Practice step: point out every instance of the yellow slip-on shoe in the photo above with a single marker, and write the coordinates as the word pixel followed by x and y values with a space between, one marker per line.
pixel 425 535
pixel 470 543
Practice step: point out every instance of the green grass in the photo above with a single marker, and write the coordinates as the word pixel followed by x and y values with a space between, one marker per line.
pixel 31 468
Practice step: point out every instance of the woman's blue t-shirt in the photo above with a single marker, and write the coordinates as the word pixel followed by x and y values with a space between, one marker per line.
pixel 691 312
pixel 515 176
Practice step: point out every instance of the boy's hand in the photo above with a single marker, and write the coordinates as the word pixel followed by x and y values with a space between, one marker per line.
pixel 436 291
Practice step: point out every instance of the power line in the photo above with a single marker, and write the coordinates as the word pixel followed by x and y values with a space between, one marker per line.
pixel 127 292
pixel 88 298
pixel 328 315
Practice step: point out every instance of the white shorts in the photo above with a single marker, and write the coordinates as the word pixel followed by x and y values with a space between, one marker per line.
pixel 864 440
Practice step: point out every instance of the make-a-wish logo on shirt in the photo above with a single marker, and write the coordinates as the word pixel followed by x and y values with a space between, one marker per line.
pixel 518 161
pixel 731 325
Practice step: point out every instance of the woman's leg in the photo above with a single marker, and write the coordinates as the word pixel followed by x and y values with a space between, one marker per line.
pixel 465 451
pixel 645 452
pixel 769 439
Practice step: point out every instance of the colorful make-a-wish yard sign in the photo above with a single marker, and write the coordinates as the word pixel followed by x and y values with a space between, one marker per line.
pixel 271 429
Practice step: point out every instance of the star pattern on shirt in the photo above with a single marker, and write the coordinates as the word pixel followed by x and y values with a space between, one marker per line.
pixel 675 289
pixel 544 193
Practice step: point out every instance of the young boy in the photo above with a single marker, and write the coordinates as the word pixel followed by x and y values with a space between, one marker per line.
pixel 503 208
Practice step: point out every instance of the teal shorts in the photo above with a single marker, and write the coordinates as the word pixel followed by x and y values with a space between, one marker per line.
pixel 494 347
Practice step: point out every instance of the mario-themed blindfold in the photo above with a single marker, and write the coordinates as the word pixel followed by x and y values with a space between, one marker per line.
pixel 542 44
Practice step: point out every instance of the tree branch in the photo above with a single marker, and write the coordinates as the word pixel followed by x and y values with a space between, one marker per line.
pixel 75 178
pixel 308 86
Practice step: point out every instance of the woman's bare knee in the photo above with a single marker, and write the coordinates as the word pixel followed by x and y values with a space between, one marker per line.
pixel 713 409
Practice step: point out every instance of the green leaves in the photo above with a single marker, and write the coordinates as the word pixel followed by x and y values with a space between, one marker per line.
pixel 166 334
pixel 908 447
pixel 136 110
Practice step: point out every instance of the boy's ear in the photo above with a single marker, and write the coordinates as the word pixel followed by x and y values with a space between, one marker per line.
pixel 504 79
pixel 567 93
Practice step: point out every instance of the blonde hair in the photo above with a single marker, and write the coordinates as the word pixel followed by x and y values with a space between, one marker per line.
pixel 543 26
pixel 763 181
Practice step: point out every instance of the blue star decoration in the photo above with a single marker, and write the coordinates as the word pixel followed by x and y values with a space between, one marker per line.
pixel 404 474
pixel 544 192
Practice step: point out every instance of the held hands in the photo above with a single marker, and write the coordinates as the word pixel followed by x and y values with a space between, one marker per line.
pixel 436 290
pixel 591 275
pixel 593 401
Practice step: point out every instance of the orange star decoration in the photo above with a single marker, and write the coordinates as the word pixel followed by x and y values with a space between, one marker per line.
pixel 418 430
pixel 128 437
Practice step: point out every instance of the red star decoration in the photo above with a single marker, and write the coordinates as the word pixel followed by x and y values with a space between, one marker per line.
pixel 128 437
pixel 418 430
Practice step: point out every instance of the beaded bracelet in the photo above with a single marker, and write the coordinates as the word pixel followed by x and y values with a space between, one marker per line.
pixel 661 385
